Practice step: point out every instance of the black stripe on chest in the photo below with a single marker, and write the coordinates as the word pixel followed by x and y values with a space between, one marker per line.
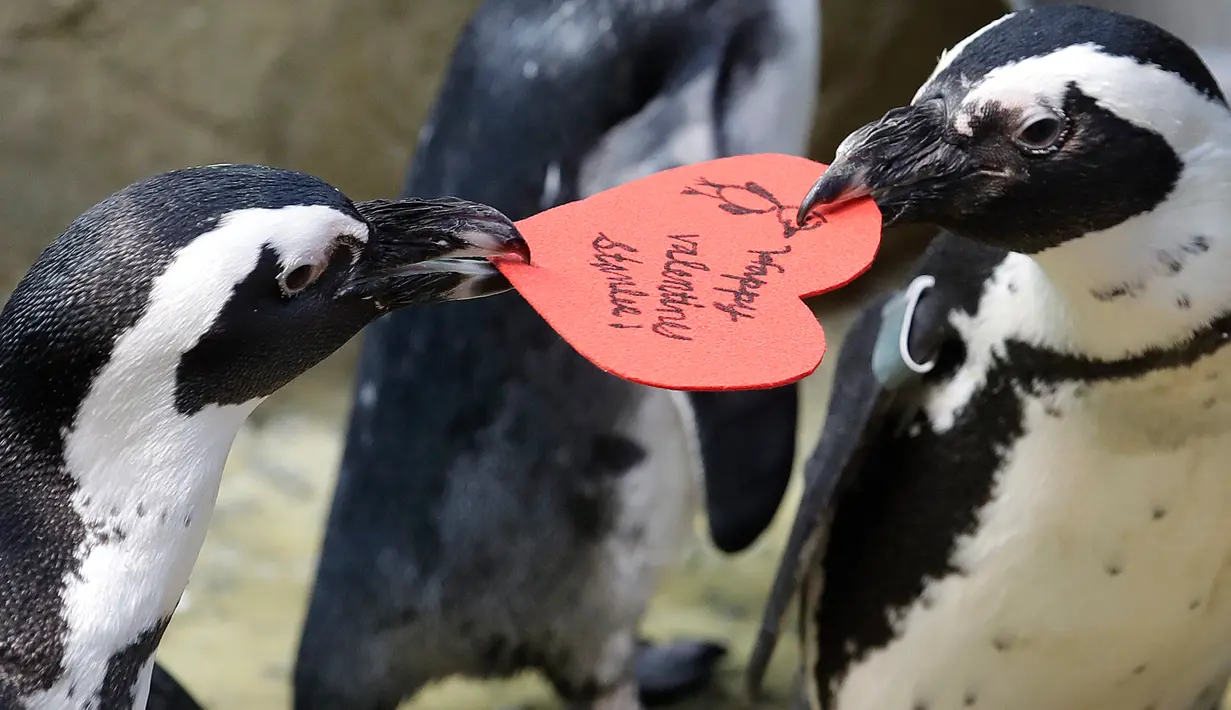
pixel 896 528
pixel 119 689
pixel 45 375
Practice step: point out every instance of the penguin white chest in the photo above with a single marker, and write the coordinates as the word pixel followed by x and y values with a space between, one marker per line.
pixel 1098 576
pixel 145 502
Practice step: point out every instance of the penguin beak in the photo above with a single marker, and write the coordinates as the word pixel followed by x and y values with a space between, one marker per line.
pixel 904 161
pixel 441 249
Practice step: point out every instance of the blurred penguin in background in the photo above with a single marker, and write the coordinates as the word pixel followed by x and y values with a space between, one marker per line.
pixel 502 504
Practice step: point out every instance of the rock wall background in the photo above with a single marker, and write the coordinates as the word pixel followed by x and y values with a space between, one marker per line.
pixel 98 93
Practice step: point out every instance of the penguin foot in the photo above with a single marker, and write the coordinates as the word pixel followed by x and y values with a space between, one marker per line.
pixel 670 672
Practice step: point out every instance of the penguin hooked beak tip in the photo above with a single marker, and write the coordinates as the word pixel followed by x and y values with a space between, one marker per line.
pixel 440 249
pixel 902 161
pixel 834 187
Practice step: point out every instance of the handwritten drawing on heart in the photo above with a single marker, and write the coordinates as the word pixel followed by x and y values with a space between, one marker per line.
pixel 692 278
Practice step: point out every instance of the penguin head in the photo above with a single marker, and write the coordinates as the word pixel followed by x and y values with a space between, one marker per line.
pixel 238 278
pixel 549 101
pixel 1046 125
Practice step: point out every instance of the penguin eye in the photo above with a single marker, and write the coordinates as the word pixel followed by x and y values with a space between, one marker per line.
pixel 354 247
pixel 1040 133
pixel 299 278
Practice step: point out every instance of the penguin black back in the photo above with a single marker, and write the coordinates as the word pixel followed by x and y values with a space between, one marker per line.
pixel 507 450
pixel 563 74
pixel 561 101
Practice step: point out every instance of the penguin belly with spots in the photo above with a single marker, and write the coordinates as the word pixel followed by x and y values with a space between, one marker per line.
pixel 1020 496
pixel 130 355
pixel 509 506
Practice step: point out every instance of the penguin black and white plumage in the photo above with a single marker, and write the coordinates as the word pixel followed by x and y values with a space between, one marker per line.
pixel 508 505
pixel 1205 25
pixel 1020 496
pixel 130 355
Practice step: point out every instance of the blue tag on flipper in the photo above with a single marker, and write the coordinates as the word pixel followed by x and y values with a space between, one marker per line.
pixel 887 363
pixel 889 356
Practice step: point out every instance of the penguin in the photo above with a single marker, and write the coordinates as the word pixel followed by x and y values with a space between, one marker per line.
pixel 1019 498
pixel 509 506
pixel 131 353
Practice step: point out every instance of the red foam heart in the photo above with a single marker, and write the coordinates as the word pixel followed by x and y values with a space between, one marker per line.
pixel 691 278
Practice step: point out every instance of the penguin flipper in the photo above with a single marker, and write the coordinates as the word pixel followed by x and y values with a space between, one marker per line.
pixel 747 441
pixel 864 402
pixel 670 672
pixel 873 388
pixel 166 693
